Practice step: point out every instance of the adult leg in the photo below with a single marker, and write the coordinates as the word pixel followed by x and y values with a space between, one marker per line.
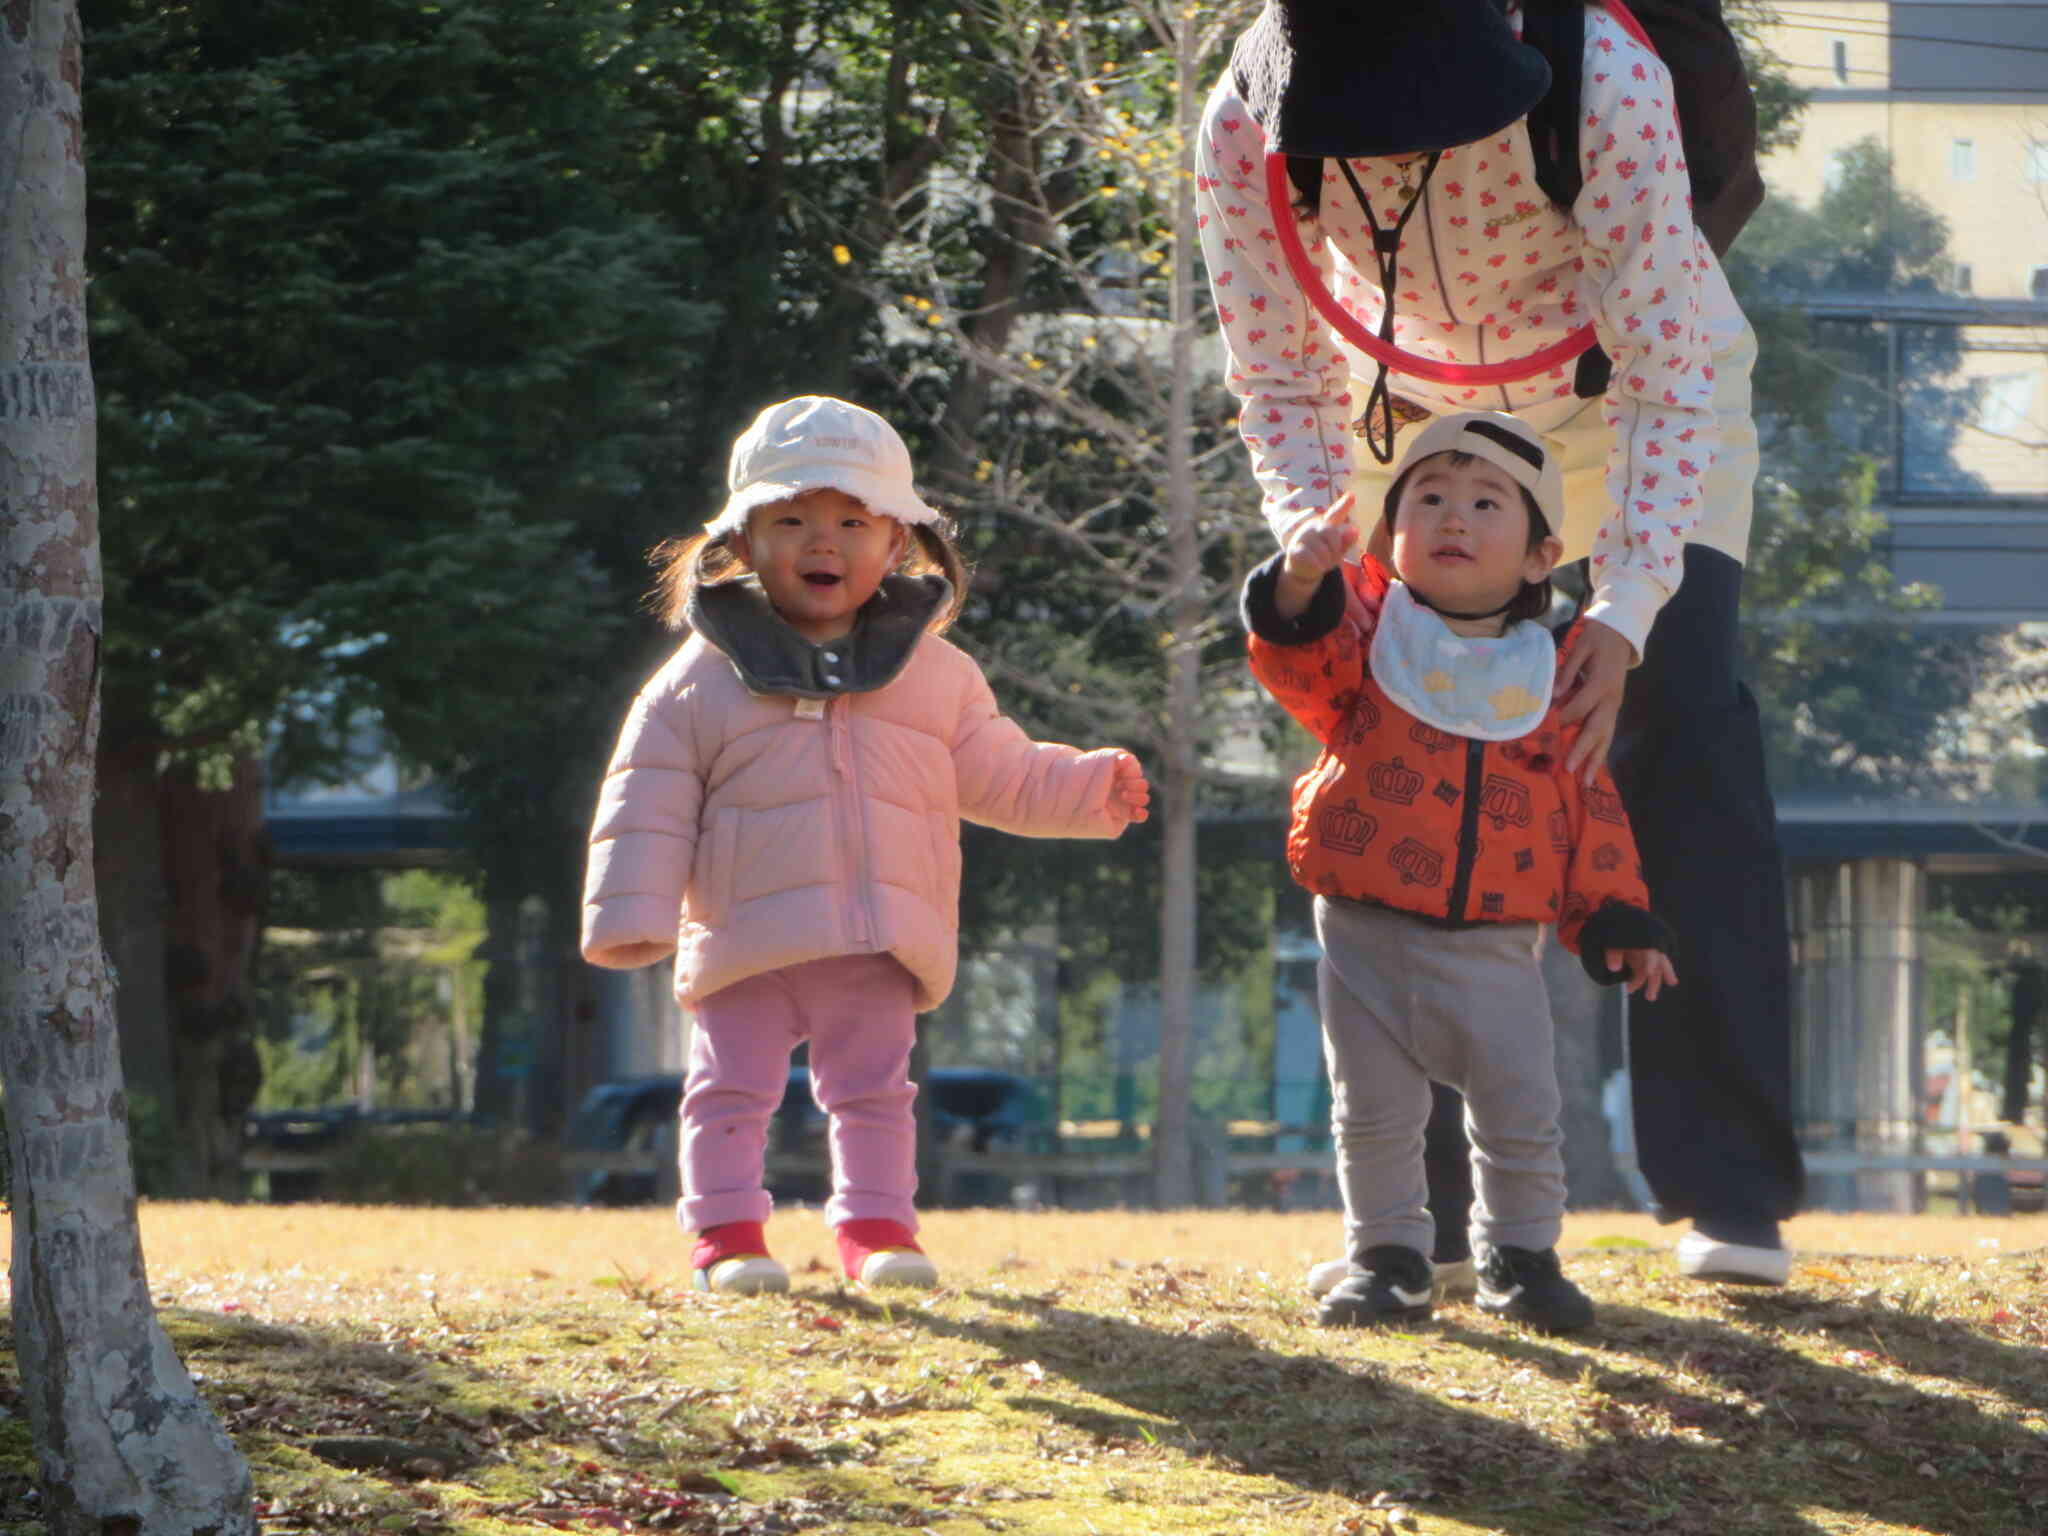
pixel 1447 1168
pixel 1710 1059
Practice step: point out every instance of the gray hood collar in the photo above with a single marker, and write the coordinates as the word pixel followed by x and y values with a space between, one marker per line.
pixel 772 658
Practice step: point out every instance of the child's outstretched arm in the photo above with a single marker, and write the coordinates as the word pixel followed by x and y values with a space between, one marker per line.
pixel 1310 618
pixel 1314 548
pixel 1008 781
pixel 643 839
pixel 1129 795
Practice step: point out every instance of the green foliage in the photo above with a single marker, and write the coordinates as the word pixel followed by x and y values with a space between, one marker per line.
pixel 152 1145
pixel 1856 698
pixel 363 982
pixel 371 332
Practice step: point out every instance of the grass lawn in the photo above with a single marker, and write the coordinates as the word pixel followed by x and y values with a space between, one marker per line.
pixel 1118 1372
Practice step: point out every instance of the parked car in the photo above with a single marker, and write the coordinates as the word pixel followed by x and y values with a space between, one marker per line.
pixel 975 1107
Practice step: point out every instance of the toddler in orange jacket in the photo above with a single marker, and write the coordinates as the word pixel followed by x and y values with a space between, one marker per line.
pixel 1441 834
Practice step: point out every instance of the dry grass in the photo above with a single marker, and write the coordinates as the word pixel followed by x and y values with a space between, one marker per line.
pixel 482 1373
pixel 304 1249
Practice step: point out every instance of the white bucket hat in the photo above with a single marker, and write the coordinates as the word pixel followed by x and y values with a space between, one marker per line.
pixel 816 442
pixel 1505 442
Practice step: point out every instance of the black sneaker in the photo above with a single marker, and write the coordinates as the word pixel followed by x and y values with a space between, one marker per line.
pixel 1390 1284
pixel 1525 1285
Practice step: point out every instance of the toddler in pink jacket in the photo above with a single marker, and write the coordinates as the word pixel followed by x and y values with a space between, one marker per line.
pixel 782 813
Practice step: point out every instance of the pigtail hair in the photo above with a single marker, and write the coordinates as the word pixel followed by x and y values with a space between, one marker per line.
pixel 932 552
pixel 684 566
pixel 681 567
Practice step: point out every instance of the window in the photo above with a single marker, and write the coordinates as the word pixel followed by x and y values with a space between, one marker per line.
pixel 1965 278
pixel 2037 287
pixel 2037 161
pixel 1841 61
pixel 1962 160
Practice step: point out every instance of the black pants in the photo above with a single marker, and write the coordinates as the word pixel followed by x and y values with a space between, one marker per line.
pixel 1710 1060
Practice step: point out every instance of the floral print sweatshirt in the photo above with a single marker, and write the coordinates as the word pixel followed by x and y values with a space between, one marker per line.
pixel 1489 269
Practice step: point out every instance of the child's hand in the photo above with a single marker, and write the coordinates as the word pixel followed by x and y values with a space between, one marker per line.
pixel 1130 797
pixel 1649 970
pixel 1316 547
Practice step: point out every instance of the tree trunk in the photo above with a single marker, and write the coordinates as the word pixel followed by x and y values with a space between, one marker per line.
pixel 1172 1150
pixel 216 863
pixel 123 1441
pixel 128 873
pixel 497 1098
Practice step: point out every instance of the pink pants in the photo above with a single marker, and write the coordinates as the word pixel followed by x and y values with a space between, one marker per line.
pixel 857 1011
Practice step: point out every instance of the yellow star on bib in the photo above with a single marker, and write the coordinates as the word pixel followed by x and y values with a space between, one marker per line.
pixel 1439 682
pixel 1512 701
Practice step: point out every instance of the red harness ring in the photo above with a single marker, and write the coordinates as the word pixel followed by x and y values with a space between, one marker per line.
pixel 1280 203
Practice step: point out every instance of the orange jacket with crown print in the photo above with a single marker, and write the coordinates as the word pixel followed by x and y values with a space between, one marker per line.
pixel 1400 814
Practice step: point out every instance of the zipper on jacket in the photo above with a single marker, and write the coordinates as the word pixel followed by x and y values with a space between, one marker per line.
pixel 1468 828
pixel 852 820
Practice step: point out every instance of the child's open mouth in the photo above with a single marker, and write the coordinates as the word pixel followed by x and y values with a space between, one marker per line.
pixel 821 579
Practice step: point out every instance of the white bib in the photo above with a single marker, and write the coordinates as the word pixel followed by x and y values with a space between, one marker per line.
pixel 1495 689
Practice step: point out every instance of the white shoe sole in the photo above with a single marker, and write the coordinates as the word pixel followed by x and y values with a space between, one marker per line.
pixel 899 1266
pixel 751 1276
pixel 1701 1257
pixel 1459 1279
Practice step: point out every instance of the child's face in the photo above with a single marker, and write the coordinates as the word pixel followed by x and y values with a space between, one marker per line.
pixel 820 555
pixel 1461 536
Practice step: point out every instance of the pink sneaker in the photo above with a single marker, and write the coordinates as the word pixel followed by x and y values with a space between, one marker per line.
pixel 884 1253
pixel 734 1258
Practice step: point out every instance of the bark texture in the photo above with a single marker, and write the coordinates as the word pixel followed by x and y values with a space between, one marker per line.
pixel 124 1445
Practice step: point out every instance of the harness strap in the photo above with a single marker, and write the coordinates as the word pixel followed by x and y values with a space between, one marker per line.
pixel 1383 351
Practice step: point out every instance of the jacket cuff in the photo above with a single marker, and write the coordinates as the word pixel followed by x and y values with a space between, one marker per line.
pixel 625 932
pixel 1628 602
pixel 1325 611
pixel 1617 925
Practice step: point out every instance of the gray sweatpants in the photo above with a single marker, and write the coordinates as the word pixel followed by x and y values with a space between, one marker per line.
pixel 1404 1002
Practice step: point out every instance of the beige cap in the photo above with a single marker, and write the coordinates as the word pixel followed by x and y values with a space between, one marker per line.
pixel 818 442
pixel 1505 442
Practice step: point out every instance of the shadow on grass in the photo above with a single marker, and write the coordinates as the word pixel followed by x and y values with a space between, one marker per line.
pixel 347 1434
pixel 1718 1430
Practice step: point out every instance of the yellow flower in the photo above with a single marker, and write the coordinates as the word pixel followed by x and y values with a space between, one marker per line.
pixel 841 255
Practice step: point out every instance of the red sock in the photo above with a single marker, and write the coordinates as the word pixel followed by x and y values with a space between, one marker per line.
pixel 729 1240
pixel 858 1239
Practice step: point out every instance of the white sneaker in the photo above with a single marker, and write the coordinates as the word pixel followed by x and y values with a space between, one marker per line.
pixel 898 1266
pixel 749 1275
pixel 1324 1277
pixel 1701 1257
pixel 1459 1278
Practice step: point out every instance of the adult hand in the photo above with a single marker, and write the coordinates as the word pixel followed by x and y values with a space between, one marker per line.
pixel 1649 970
pixel 1130 797
pixel 1590 683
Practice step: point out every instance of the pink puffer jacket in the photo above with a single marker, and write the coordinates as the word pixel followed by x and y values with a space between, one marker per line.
pixel 746 832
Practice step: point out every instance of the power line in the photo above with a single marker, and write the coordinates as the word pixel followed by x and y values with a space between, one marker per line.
pixel 1850 29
